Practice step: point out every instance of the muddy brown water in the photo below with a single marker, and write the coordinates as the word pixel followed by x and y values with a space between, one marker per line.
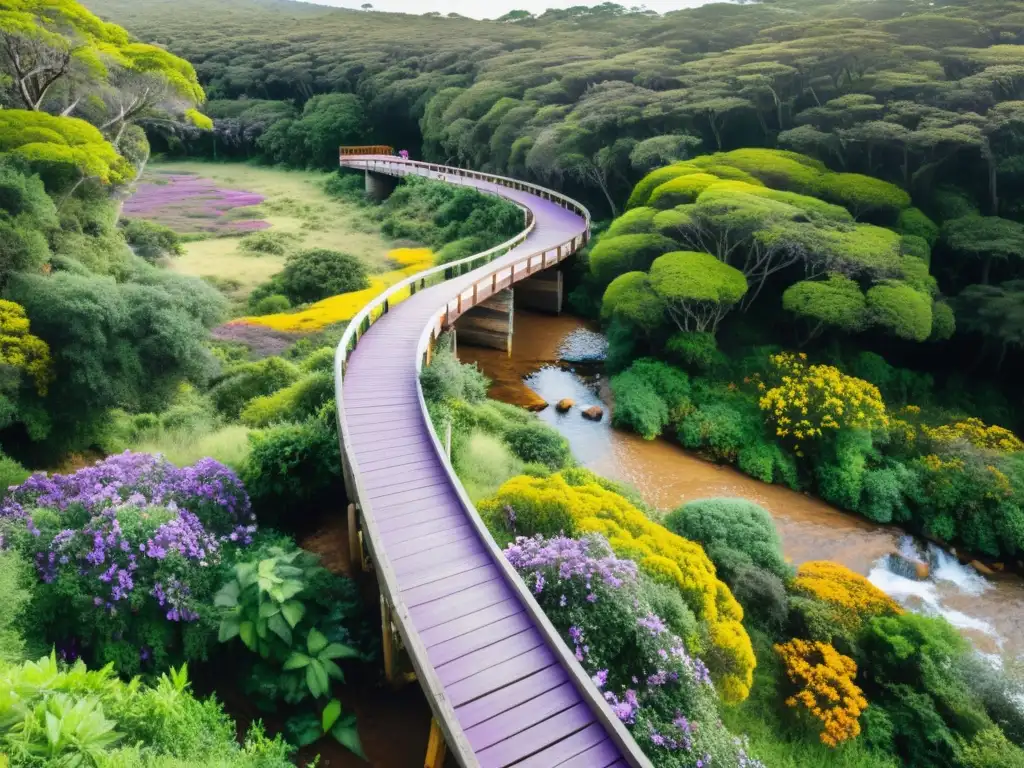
pixel 989 610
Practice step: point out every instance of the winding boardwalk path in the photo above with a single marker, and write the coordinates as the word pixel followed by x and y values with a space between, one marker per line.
pixel 504 688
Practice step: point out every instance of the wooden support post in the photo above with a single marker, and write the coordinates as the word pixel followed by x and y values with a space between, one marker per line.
pixel 436 748
pixel 387 633
pixel 448 440
pixel 355 547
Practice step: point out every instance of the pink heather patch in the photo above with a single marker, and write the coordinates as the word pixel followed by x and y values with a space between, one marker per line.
pixel 190 204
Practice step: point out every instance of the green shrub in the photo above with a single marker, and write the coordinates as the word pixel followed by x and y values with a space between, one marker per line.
pixel 769 463
pixel 636 221
pixel 901 310
pixel 540 444
pixel 637 406
pixel 697 351
pixel 914 222
pixel 667 603
pixel 11 473
pixel 483 463
pixel 151 240
pixel 272 305
pixel 911 245
pixel 953 203
pixel 72 716
pixel 763 597
pixel 242 384
pixel 990 749
pixel 319 360
pixel 293 468
pixel 319 273
pixel 448 379
pixel 864 195
pixel 670 384
pixel 614 256
pixel 293 403
pixel 17 579
pixel 720 430
pixel 735 533
pixel 269 243
pixel 885 491
pixel 943 322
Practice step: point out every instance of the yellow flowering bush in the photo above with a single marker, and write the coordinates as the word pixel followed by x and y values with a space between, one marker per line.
pixel 978 434
pixel 576 504
pixel 804 401
pixel 345 306
pixel 824 687
pixel 21 350
pixel 851 597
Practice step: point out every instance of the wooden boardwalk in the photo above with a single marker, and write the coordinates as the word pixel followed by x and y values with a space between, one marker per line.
pixel 504 688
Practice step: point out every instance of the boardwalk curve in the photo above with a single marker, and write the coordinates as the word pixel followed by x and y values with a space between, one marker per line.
pixel 503 686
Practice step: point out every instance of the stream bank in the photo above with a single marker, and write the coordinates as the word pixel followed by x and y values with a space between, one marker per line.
pixel 989 609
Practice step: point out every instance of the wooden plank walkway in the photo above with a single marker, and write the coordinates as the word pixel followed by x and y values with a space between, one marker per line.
pixel 505 689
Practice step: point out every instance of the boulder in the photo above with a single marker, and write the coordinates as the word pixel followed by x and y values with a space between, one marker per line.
pixel 908 567
pixel 564 405
pixel 594 413
pixel 981 568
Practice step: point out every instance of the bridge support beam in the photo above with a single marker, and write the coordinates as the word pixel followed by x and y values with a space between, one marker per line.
pixel 489 323
pixel 542 292
pixel 379 186
pixel 436 747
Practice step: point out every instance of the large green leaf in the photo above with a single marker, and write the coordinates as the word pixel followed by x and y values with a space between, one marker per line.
pixel 227 596
pixel 269 609
pixel 316 679
pixel 339 651
pixel 228 630
pixel 332 669
pixel 248 632
pixel 280 628
pixel 296 661
pixel 330 714
pixel 293 612
pixel 316 642
pixel 345 732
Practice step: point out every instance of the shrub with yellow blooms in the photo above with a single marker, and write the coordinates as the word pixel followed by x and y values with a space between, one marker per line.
pixel 21 350
pixel 804 402
pixel 338 309
pixel 823 678
pixel 851 598
pixel 574 503
pixel 977 433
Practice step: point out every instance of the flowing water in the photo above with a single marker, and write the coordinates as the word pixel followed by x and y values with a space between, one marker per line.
pixel 987 609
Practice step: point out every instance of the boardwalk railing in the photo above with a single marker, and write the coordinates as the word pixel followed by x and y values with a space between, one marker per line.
pixel 467 291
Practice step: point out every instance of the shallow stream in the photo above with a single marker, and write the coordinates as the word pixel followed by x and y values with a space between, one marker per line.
pixel 988 609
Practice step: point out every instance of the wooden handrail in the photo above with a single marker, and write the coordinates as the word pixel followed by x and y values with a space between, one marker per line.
pixel 372 149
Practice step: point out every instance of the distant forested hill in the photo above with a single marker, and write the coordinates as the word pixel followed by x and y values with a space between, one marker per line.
pixel 906 89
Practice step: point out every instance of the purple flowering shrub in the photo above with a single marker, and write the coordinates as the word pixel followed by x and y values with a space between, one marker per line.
pixel 661 692
pixel 129 553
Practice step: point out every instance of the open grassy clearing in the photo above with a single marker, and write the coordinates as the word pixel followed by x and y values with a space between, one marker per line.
pixel 295 206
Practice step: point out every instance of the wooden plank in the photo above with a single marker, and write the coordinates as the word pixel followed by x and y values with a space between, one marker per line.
pixel 450 586
pixel 601 755
pixel 428 561
pixel 466 624
pixel 500 675
pixel 412 532
pixel 532 740
pixel 565 749
pixel 489 634
pixel 503 650
pixel 528 689
pixel 399 551
pixel 412 519
pixel 521 717
pixel 445 571
pixel 460 604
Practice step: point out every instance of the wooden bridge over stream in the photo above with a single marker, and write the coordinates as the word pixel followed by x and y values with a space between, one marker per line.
pixel 504 688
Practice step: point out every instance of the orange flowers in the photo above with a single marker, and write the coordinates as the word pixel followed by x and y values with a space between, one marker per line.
pixel 851 597
pixel 824 681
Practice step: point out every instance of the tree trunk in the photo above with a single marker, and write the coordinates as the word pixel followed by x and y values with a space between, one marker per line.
pixel 986 270
pixel 993 185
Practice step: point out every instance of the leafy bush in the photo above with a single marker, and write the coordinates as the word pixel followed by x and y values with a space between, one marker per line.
pixel 697 351
pixel 16 586
pixel 73 716
pixel 914 222
pixel 128 553
pixel 539 443
pixel 901 310
pixel 319 360
pixel 293 468
pixel 293 403
pixel 721 430
pixel 847 598
pixel 448 379
pixel 11 474
pixel 272 605
pixel 615 256
pixel 637 406
pixel 318 273
pixel 735 533
pixel 152 240
pixel 763 597
pixel 272 243
pixel 483 463
pixel 243 383
pixel 271 305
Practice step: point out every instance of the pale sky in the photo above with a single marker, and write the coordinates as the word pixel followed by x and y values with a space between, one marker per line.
pixel 490 9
